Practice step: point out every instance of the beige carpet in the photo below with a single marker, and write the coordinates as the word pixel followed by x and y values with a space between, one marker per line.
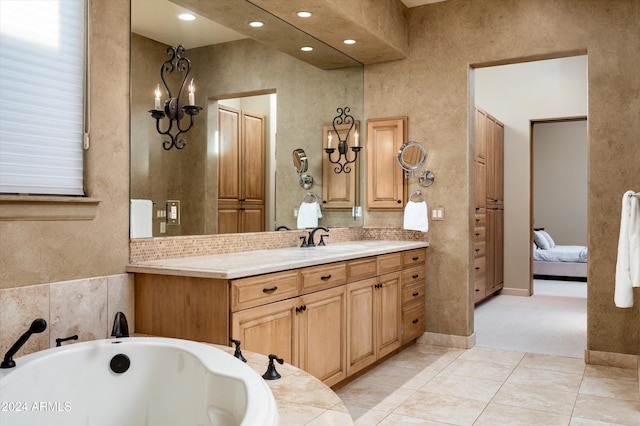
pixel 552 322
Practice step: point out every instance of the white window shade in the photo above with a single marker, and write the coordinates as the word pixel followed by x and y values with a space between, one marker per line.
pixel 42 71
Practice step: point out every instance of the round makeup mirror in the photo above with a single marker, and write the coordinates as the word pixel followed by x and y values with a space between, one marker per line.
pixel 411 156
pixel 301 164
pixel 300 160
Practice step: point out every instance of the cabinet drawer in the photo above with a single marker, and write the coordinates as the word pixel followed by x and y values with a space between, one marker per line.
pixel 412 323
pixel 479 264
pixel 413 294
pixel 389 263
pixel 263 289
pixel 361 269
pixel 479 285
pixel 479 233
pixel 479 248
pixel 413 258
pixel 480 219
pixel 413 275
pixel 320 277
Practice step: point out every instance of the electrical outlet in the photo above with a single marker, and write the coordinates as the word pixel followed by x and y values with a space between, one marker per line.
pixel 173 212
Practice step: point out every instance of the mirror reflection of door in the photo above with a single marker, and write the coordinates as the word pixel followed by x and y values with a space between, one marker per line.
pixel 241 171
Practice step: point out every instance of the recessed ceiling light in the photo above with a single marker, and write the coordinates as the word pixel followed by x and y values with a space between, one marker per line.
pixel 186 17
pixel 349 41
pixel 304 14
pixel 256 24
pixel 306 48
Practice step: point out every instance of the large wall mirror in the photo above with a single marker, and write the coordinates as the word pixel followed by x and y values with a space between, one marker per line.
pixel 235 78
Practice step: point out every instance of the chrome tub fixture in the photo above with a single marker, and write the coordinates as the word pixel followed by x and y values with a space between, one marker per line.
pixel 343 161
pixel 173 108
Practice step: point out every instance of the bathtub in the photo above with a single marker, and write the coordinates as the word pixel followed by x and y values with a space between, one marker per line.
pixel 134 381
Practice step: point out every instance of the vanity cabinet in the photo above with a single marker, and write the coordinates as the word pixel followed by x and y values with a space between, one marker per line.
pixel 331 320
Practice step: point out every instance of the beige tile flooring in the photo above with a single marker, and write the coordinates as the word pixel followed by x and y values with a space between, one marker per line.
pixel 435 385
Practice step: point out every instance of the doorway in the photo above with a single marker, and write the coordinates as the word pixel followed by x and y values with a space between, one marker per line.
pixel 516 94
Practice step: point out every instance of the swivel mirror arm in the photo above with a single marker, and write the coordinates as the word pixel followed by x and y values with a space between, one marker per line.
pixel 412 165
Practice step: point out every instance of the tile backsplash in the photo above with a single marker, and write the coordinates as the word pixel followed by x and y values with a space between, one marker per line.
pixel 85 307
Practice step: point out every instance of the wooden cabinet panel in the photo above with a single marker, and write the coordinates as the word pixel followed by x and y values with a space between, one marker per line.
pixel 252 158
pixel 361 268
pixel 251 218
pixel 389 263
pixel 262 289
pixel 361 325
pixel 498 236
pixel 320 277
pixel 413 275
pixel 321 335
pixel 480 136
pixel 412 294
pixel 267 329
pixel 388 306
pixel 413 258
pixel 480 193
pixel 385 178
pixel 412 323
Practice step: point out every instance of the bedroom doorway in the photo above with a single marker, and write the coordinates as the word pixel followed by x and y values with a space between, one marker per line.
pixel 519 94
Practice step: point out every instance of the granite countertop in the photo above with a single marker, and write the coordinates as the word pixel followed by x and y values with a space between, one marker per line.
pixel 301 398
pixel 248 263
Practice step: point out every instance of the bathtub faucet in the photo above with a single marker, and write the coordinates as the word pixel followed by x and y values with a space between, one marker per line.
pixel 120 326
pixel 37 326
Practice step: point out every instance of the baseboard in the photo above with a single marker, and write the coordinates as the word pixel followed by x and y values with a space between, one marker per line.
pixel 524 292
pixel 448 340
pixel 611 359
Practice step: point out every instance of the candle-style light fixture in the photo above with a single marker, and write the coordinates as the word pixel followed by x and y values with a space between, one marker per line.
pixel 173 108
pixel 343 161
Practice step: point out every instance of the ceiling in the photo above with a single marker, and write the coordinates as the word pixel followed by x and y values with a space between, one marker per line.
pixel 157 20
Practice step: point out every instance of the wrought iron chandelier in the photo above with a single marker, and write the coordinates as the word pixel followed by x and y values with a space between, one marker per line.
pixel 173 108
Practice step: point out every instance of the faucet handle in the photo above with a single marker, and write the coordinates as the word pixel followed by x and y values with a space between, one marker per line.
pixel 238 352
pixel 321 243
pixel 271 373
pixel 304 241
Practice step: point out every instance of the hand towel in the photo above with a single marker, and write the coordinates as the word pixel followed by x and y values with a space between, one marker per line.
pixel 140 219
pixel 416 217
pixel 308 214
pixel 628 261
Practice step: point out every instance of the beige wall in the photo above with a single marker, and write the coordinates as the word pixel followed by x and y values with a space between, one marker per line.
pixel 432 88
pixel 36 252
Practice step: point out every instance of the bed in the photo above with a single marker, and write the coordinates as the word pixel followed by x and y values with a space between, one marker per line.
pixel 551 261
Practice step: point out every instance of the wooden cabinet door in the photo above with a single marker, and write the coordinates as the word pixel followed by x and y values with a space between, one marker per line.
pixel 499 249
pixel 499 161
pixel 322 329
pixel 251 218
pixel 480 137
pixel 480 193
pixel 361 325
pixel 228 218
pixel 252 158
pixel 388 297
pixel 229 153
pixel 267 329
pixel 385 177
pixel 490 251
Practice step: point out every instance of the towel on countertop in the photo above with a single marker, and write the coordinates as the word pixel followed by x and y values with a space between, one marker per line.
pixel 628 262
pixel 416 217
pixel 308 214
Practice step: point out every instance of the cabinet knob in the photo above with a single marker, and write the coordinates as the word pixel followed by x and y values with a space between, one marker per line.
pixel 415 276
pixel 399 201
pixel 416 294
pixel 415 321
pixel 477 268
pixel 270 290
pixel 415 258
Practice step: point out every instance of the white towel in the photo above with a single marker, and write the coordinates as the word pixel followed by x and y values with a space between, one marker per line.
pixel 140 219
pixel 308 214
pixel 416 217
pixel 628 262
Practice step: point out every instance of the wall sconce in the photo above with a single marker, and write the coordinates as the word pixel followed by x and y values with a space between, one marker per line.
pixel 175 110
pixel 343 161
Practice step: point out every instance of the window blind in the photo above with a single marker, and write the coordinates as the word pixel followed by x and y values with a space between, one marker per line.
pixel 42 72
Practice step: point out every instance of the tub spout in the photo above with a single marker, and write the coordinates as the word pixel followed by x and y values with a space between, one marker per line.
pixel 120 326
pixel 37 326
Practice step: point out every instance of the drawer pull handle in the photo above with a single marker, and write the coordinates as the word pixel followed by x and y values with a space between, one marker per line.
pixel 477 234
pixel 477 250
pixel 415 276
pixel 415 258
pixel 325 277
pixel 416 294
pixel 269 290
pixel 477 268
pixel 415 321
pixel 477 289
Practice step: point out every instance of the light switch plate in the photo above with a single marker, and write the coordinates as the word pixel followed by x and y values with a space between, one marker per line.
pixel 173 212
pixel 437 213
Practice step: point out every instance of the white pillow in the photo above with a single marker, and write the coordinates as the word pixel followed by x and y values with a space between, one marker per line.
pixel 546 235
pixel 540 240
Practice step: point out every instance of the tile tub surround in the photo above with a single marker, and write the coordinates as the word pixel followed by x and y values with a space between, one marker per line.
pixel 428 384
pixel 302 399
pixel 144 249
pixel 85 307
